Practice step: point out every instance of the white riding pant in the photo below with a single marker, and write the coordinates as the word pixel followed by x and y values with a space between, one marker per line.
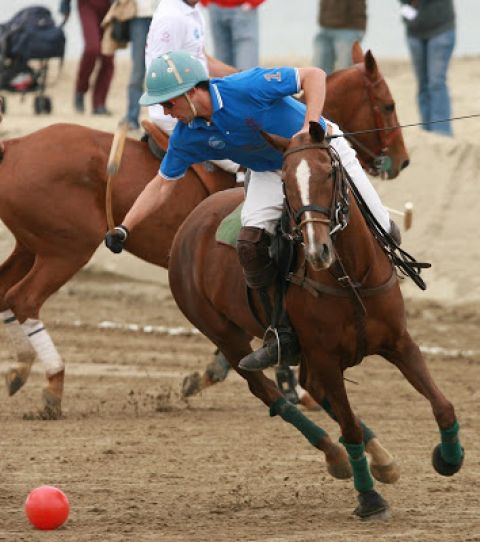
pixel 167 124
pixel 264 200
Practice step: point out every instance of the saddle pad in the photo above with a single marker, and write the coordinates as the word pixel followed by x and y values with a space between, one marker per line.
pixel 229 228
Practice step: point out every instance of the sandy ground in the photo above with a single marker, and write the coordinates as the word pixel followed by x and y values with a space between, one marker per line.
pixel 137 462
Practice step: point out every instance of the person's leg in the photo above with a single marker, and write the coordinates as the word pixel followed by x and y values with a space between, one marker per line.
pixel 244 31
pixel 418 53
pixel 350 162
pixel 342 44
pixel 323 53
pixel 221 33
pixel 260 214
pixel 105 71
pixel 264 201
pixel 91 50
pixel 439 53
pixel 138 36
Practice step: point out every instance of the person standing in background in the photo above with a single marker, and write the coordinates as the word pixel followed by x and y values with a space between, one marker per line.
pixel 179 25
pixel 138 30
pixel 342 22
pixel 430 30
pixel 234 28
pixel 91 14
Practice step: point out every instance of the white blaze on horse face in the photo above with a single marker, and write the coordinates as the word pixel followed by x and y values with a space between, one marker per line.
pixel 303 183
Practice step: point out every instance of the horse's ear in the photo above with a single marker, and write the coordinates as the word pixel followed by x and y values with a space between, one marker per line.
pixel 277 142
pixel 316 131
pixel 371 65
pixel 357 53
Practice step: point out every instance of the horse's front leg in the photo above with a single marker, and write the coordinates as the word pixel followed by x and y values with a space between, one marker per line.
pixel 447 457
pixel 383 466
pixel 326 374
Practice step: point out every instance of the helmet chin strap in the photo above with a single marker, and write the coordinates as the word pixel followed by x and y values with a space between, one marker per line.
pixel 193 109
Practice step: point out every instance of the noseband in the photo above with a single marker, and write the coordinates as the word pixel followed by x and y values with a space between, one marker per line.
pixel 338 214
pixel 381 160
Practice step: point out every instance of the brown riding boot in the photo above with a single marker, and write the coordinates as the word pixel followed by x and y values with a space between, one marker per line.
pixel 260 273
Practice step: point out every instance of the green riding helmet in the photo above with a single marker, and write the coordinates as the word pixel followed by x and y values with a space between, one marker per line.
pixel 171 75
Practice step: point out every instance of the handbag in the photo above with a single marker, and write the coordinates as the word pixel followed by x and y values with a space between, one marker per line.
pixel 116 25
pixel 120 30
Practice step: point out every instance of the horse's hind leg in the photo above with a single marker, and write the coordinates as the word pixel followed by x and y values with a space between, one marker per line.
pixel 12 271
pixel 25 300
pixel 216 371
pixel 267 391
pixel 447 457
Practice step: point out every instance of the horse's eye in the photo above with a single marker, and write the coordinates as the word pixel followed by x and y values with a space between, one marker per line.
pixel 389 108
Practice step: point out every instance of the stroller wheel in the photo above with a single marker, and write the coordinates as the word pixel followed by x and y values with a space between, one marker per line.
pixel 42 104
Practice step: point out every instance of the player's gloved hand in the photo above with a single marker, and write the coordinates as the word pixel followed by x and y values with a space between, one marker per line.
pixel 115 239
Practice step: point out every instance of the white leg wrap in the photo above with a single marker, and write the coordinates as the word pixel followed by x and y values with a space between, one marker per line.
pixel 23 349
pixel 300 391
pixel 43 346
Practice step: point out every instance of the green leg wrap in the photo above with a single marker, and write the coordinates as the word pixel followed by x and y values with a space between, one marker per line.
pixel 362 479
pixel 368 434
pixel 290 413
pixel 450 447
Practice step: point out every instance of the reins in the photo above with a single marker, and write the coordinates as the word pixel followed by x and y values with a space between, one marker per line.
pixel 401 126
pixel 338 217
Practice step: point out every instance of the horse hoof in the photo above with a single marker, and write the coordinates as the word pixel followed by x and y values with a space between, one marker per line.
pixel 371 506
pixel 386 474
pixel 52 406
pixel 191 385
pixel 14 381
pixel 441 466
pixel 340 471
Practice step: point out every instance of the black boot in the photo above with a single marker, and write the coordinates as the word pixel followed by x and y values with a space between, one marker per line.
pixel 260 273
pixel 268 354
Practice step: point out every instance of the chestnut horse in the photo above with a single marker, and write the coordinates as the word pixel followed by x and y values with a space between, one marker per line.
pixel 52 186
pixel 336 325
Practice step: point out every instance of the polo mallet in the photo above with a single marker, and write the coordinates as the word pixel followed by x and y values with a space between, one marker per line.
pixel 113 165
pixel 407 214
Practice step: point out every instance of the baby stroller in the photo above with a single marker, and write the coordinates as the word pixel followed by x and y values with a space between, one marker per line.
pixel 30 35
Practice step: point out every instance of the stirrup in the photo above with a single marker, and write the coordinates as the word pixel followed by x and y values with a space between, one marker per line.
pixel 273 330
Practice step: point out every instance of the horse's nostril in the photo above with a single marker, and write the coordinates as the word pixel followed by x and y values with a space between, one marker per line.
pixel 405 164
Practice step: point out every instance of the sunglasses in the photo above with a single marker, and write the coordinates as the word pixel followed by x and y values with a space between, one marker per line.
pixel 167 105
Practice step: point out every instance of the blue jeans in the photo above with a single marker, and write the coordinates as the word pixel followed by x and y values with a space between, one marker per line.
pixel 430 59
pixel 235 35
pixel 332 48
pixel 138 36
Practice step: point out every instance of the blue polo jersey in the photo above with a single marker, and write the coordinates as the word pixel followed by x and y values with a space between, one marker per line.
pixel 243 104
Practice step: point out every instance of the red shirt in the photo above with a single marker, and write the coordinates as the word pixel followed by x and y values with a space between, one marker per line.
pixel 232 3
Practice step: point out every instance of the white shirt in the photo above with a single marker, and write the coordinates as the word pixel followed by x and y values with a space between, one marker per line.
pixel 146 8
pixel 175 26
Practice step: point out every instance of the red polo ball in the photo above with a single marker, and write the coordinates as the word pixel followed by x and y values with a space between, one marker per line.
pixel 47 507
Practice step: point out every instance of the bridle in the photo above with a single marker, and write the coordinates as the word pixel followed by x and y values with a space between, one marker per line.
pixel 381 161
pixel 337 214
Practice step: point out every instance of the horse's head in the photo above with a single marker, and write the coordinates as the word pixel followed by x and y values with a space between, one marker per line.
pixel 368 105
pixel 316 202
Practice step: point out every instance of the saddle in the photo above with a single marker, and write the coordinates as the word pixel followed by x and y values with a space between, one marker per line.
pixel 214 179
